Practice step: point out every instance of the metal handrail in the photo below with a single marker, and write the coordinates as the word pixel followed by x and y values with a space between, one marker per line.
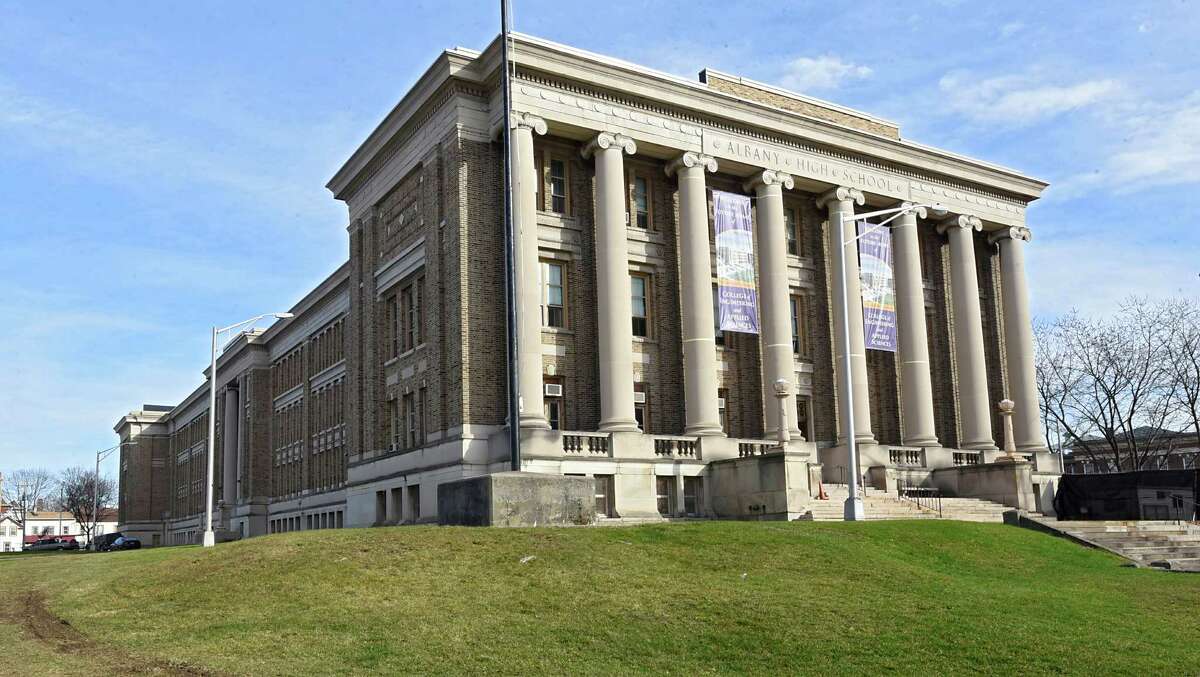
pixel 926 498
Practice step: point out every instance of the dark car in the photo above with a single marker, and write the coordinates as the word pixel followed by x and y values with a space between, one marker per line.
pixel 104 542
pixel 126 543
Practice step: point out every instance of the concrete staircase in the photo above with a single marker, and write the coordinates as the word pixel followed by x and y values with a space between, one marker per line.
pixel 880 505
pixel 1162 544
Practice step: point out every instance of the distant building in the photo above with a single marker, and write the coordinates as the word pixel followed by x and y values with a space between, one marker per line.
pixel 48 524
pixel 390 379
pixel 1157 449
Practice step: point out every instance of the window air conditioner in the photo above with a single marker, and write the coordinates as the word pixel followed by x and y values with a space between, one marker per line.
pixel 639 398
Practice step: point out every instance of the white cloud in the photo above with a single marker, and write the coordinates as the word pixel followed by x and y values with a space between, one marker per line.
pixel 1011 28
pixel 823 72
pixel 1148 144
pixel 1059 268
pixel 1019 100
pixel 1145 27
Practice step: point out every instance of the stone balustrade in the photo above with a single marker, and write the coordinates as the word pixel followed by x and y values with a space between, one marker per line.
pixel 674 446
pixel 906 457
pixel 586 444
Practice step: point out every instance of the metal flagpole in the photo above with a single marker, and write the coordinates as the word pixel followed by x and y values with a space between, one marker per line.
pixel 510 245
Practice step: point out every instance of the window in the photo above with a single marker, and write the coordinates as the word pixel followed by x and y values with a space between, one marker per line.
pixel 422 414
pixel 722 407
pixel 639 286
pixel 664 490
pixel 394 417
pixel 800 341
pixel 693 496
pixel 641 202
pixel 789 227
pixel 553 404
pixel 640 410
pixel 558 186
pixel 554 295
pixel 410 420
pixel 406 310
pixel 604 492
pixel 802 417
pixel 717 333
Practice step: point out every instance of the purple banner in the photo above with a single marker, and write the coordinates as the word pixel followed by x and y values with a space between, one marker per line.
pixel 878 291
pixel 737 297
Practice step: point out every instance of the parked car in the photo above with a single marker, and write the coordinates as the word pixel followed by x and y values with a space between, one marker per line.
pixel 55 543
pixel 104 541
pixel 126 543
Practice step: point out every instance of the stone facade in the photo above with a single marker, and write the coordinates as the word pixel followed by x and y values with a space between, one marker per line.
pixel 390 378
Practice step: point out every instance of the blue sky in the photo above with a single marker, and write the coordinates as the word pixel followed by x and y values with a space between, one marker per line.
pixel 162 165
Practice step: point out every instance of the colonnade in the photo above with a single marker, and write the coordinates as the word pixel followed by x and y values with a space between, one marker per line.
pixel 607 150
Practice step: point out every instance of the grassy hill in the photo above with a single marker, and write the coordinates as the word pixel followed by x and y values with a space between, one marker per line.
pixel 766 598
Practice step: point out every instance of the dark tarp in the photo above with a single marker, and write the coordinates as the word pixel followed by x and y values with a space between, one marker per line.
pixel 1143 494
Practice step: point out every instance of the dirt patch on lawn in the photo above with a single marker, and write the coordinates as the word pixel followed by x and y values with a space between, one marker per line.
pixel 31 615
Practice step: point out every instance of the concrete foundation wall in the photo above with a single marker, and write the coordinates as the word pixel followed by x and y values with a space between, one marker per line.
pixel 517 499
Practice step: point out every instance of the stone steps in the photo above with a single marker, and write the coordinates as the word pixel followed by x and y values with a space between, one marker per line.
pixel 1161 544
pixel 878 504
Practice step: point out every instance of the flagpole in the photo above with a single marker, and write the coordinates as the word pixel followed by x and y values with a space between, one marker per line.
pixel 510 263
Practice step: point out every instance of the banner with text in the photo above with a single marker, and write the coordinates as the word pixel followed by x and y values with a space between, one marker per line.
pixel 737 298
pixel 878 292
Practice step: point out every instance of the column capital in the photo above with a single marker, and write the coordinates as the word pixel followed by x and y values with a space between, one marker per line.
pixel 529 121
pixel 919 212
pixel 842 194
pixel 769 177
pixel 691 159
pixel 606 140
pixel 1011 233
pixel 965 221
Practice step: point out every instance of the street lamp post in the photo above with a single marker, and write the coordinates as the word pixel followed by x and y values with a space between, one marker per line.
pixel 100 456
pixel 210 538
pixel 854 506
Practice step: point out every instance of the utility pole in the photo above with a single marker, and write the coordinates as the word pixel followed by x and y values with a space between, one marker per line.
pixel 510 251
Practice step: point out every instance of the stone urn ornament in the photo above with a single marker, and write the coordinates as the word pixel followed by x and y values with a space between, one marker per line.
pixel 1006 407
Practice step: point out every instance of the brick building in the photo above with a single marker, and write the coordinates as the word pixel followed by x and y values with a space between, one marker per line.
pixel 390 379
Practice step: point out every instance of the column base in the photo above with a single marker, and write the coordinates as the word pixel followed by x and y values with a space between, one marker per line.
pixel 619 425
pixel 704 430
pixel 921 442
pixel 1033 449
pixel 794 433
pixel 534 423
pixel 982 445
pixel 858 439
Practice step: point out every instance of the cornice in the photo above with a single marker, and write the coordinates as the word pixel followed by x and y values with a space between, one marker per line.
pixel 927 163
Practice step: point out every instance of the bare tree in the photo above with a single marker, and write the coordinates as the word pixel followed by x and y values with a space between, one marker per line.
pixel 1183 337
pixel 82 491
pixel 1107 385
pixel 24 491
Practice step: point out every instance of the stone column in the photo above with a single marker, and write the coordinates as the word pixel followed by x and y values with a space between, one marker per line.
pixel 975 413
pixel 701 414
pixel 916 392
pixel 229 447
pixel 529 292
pixel 1018 340
pixel 844 261
pixel 613 305
pixel 778 360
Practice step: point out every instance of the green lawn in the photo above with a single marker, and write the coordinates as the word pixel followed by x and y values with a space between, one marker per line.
pixel 768 598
